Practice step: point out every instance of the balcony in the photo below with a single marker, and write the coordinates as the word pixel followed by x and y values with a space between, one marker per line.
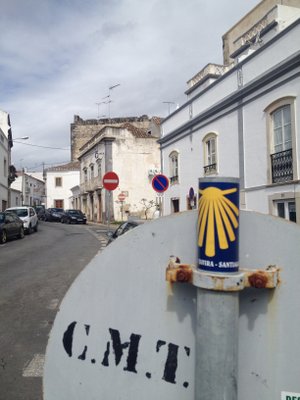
pixel 91 185
pixel 210 169
pixel 282 166
pixel 173 179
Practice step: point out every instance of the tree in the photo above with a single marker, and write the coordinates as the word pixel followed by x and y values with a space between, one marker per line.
pixel 12 175
pixel 148 204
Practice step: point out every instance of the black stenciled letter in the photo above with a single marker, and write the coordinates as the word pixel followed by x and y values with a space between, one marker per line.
pixel 171 362
pixel 68 338
pixel 118 347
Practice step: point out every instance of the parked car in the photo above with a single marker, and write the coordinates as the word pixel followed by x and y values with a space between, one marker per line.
pixel 73 217
pixel 28 215
pixel 11 226
pixel 123 228
pixel 40 211
pixel 54 214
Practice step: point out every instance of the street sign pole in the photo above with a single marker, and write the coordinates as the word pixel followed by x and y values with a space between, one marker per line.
pixel 217 311
pixel 108 214
pixel 160 184
pixel 110 182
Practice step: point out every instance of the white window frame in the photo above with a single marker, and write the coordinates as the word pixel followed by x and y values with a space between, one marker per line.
pixel 286 208
pixel 270 111
pixel 56 180
pixel 210 158
pixel 174 167
pixel 284 143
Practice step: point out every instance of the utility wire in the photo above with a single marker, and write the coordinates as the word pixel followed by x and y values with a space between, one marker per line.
pixel 44 147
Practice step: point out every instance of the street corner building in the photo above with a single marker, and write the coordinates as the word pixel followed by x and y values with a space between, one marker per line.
pixel 240 118
pixel 127 146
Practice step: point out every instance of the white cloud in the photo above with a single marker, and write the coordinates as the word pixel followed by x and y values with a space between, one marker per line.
pixel 59 57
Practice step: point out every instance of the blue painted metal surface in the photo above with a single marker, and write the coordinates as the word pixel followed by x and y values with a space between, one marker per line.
pixel 218 224
pixel 160 183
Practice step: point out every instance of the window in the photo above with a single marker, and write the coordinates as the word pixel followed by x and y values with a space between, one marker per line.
pixel 92 171
pixel 210 153
pixel 282 129
pixel 286 209
pixel 99 168
pixel 5 167
pixel 85 174
pixel 173 166
pixel 281 141
pixel 58 181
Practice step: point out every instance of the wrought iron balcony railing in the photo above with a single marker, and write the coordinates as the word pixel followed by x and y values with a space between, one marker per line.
pixel 173 179
pixel 208 169
pixel 282 166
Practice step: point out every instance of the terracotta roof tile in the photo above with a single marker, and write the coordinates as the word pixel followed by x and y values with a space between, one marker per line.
pixel 71 166
pixel 137 132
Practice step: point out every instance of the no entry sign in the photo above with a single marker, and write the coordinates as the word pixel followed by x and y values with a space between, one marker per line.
pixel 160 183
pixel 121 197
pixel 110 180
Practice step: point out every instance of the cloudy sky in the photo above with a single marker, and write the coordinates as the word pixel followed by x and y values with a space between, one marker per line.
pixel 58 58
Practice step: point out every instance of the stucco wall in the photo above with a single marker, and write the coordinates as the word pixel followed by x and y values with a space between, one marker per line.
pixel 132 158
pixel 236 114
pixel 69 180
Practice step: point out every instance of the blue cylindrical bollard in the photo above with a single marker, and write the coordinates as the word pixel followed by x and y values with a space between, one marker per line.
pixel 218 224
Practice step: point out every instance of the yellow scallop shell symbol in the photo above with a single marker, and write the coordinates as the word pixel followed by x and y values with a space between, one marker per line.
pixel 216 211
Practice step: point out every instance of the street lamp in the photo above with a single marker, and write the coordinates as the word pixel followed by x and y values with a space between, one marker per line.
pixel 21 138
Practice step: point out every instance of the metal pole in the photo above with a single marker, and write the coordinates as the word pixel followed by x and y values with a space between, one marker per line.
pixel 216 345
pixel 108 214
pixel 217 308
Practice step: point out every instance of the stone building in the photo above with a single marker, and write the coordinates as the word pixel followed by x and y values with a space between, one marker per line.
pixel 240 118
pixel 84 130
pixel 127 146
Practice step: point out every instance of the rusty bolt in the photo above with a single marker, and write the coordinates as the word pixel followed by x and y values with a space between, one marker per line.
pixel 258 280
pixel 184 274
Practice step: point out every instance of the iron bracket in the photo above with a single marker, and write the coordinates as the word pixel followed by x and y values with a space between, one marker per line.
pixel 227 282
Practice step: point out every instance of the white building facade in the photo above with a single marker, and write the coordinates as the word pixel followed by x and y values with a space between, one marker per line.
pixel 240 119
pixel 59 182
pixel 6 144
pixel 31 190
pixel 3 171
pixel 133 154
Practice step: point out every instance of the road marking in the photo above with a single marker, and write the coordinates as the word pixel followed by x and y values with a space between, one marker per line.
pixel 101 237
pixel 35 368
pixel 53 304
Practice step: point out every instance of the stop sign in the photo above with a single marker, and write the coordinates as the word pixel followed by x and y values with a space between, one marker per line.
pixel 110 180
